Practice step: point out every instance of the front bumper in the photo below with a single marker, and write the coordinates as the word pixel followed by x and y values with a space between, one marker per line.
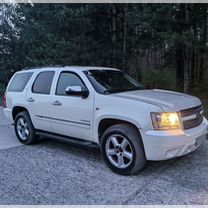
pixel 163 145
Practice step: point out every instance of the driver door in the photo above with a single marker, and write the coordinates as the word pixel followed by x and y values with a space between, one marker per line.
pixel 71 114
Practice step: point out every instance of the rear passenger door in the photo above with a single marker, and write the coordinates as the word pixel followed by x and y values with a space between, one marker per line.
pixel 39 100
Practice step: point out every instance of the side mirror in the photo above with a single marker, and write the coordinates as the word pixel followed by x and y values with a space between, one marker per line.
pixel 77 91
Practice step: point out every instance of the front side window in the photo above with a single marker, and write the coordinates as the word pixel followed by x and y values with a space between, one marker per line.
pixel 43 82
pixel 67 79
pixel 112 81
pixel 19 82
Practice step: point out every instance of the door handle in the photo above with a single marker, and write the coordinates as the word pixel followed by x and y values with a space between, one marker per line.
pixel 30 100
pixel 57 103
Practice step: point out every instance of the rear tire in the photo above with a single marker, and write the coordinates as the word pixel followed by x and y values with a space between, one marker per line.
pixel 122 149
pixel 24 128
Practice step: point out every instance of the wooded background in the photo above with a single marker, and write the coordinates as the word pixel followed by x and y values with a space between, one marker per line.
pixel 161 45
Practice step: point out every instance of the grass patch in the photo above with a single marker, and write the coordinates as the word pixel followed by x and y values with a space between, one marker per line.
pixel 2 90
pixel 203 96
pixel 1 100
pixel 205 103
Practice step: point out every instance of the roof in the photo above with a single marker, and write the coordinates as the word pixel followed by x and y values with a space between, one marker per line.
pixel 74 68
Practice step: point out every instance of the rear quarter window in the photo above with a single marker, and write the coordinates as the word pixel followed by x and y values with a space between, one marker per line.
pixel 19 82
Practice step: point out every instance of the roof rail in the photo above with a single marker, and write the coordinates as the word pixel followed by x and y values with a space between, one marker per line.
pixel 57 65
pixel 38 67
pixel 28 68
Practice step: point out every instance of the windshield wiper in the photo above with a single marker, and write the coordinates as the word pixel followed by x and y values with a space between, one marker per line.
pixel 121 90
pixel 106 92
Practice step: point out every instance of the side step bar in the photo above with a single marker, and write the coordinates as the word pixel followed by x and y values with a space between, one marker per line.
pixel 69 140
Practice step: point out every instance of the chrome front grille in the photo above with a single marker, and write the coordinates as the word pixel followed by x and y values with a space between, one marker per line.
pixel 192 117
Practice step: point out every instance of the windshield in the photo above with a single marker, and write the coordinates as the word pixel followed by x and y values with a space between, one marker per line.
pixel 112 81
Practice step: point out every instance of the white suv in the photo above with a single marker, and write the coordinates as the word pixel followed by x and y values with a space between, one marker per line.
pixel 104 106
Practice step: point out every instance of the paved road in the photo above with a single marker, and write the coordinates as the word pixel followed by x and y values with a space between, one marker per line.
pixel 7 135
pixel 55 173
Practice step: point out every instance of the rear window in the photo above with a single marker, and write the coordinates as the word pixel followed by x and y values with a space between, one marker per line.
pixel 19 82
pixel 43 82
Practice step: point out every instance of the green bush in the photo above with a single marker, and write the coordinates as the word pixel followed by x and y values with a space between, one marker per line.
pixel 205 103
pixel 163 79
pixel 2 88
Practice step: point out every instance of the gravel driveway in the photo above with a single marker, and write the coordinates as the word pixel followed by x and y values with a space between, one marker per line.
pixel 55 173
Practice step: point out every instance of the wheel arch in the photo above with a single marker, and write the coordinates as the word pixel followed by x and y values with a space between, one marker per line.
pixel 18 109
pixel 105 123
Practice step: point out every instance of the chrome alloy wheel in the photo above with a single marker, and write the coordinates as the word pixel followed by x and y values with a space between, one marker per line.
pixel 23 129
pixel 119 151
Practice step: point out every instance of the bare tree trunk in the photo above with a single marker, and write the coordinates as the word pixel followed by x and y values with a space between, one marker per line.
pixel 180 68
pixel 155 58
pixel 202 51
pixel 193 57
pixel 114 38
pixel 124 38
pixel 186 57
pixel 164 53
pixel 139 64
pixel 197 66
pixel 193 62
pixel 147 57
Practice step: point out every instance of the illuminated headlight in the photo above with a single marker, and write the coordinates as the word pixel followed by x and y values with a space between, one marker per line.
pixel 165 121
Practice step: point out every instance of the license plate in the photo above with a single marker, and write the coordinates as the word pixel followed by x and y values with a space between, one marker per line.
pixel 200 139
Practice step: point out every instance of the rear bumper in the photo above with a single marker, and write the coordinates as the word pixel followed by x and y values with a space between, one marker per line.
pixel 8 114
pixel 163 145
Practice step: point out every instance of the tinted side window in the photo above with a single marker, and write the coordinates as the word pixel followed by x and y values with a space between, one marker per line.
pixel 68 79
pixel 43 82
pixel 19 82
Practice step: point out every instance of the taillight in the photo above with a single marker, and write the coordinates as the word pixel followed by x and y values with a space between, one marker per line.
pixel 4 100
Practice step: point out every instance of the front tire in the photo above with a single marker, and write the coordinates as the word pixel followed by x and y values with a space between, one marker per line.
pixel 24 129
pixel 122 149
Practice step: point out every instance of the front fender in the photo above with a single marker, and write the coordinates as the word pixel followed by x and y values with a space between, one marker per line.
pixel 112 116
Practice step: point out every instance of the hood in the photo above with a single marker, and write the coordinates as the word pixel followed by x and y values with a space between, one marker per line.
pixel 167 100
